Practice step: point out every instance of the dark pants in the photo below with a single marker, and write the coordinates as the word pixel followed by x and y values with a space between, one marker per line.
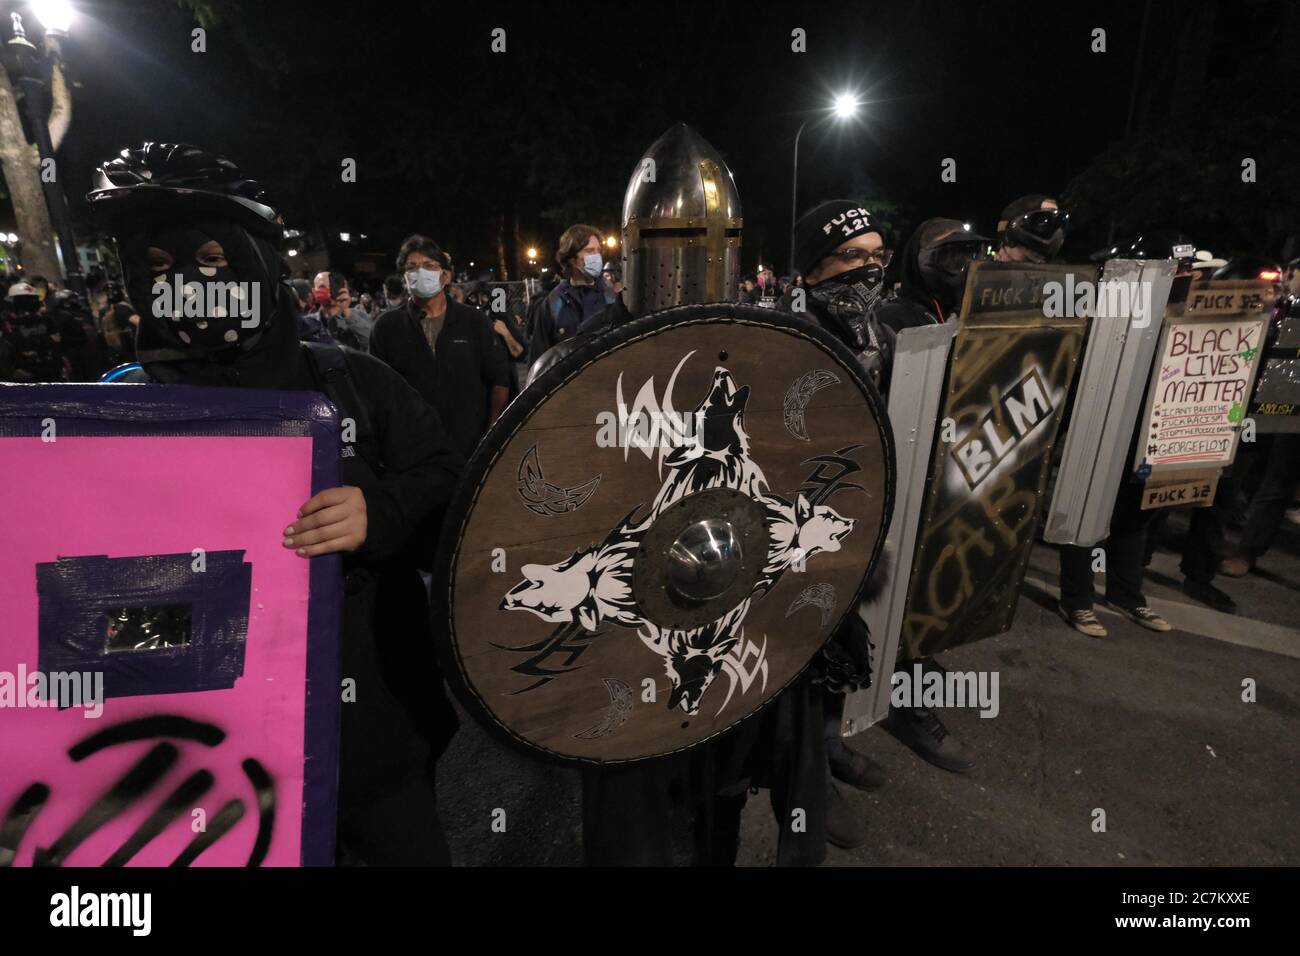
pixel 1269 502
pixel 400 828
pixel 627 814
pixel 1126 556
pixel 1203 546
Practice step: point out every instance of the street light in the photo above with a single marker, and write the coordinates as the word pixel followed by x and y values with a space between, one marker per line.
pixel 532 252
pixel 55 16
pixel 843 107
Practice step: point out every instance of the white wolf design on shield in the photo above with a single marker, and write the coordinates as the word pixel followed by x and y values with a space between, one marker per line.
pixel 594 585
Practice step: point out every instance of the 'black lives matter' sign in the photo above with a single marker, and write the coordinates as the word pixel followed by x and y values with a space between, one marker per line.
pixel 1201 381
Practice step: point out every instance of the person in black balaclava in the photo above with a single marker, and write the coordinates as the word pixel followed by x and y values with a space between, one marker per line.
pixel 839 249
pixel 933 274
pixel 1031 229
pixel 184 217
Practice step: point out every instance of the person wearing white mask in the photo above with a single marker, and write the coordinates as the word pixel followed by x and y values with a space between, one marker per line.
pixel 444 350
pixel 579 296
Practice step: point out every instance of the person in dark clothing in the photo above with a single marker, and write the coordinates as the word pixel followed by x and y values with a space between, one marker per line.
pixel 444 350
pixel 34 336
pixel 77 330
pixel 1031 229
pixel 933 274
pixel 840 251
pixel 935 261
pixel 181 213
pixel 580 294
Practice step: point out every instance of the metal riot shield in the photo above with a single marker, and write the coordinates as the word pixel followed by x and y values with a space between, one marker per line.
pixel 1200 385
pixel 1011 369
pixel 1128 311
pixel 1275 405
pixel 915 394
pixel 661 531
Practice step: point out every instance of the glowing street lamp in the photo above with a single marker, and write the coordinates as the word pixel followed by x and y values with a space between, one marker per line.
pixel 55 16
pixel 843 107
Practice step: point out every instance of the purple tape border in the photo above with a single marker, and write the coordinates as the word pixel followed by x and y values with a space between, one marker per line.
pixel 146 410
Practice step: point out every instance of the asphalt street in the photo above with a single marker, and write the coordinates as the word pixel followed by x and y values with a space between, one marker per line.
pixel 1149 727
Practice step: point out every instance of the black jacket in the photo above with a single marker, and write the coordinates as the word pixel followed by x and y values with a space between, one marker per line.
pixel 458 376
pixel 915 303
pixel 405 465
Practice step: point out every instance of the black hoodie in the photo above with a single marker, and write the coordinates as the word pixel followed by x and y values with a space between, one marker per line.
pixel 916 303
pixel 406 467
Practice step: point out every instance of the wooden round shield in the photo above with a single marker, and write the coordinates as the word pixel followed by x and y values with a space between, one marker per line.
pixel 661 531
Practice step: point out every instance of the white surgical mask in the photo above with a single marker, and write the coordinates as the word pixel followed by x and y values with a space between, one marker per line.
pixel 424 283
pixel 592 264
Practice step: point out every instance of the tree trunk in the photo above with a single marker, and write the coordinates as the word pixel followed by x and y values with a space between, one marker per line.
pixel 60 106
pixel 21 164
pixel 501 249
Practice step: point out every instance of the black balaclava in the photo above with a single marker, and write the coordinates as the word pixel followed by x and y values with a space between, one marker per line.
pixel 922 279
pixel 255 349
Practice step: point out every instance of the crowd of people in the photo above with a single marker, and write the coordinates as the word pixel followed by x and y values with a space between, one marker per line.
pixel 430 363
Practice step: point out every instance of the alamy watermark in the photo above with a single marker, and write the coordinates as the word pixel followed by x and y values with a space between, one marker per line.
pixel 1110 298
pixel 930 689
pixel 61 689
pixel 175 298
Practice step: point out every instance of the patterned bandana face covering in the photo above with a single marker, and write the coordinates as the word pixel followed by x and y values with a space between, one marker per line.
pixel 849 304
pixel 850 296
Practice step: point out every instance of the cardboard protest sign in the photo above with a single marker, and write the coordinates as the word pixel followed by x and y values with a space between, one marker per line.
pixel 168 671
pixel 1011 369
pixel 1202 379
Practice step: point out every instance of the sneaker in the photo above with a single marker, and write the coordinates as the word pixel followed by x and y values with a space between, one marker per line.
pixel 924 732
pixel 855 769
pixel 1143 615
pixel 846 826
pixel 1207 593
pixel 1236 567
pixel 1085 621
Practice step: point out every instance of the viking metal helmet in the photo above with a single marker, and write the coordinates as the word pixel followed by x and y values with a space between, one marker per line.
pixel 681 225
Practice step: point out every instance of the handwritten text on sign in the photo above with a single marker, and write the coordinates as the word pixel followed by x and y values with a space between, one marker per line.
pixel 1199 395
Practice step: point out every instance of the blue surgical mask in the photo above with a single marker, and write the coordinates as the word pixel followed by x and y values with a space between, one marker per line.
pixel 424 283
pixel 592 264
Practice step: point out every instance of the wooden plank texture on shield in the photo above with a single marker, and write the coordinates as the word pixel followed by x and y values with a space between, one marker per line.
pixel 661 531
pixel 1008 379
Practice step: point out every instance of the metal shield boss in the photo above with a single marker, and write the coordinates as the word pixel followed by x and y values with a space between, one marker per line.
pixel 661 532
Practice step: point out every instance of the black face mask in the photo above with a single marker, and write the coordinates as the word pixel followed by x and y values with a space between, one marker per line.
pixel 201 309
pixel 850 296
pixel 943 267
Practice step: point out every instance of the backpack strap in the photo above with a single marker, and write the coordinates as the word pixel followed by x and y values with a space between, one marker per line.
pixel 329 370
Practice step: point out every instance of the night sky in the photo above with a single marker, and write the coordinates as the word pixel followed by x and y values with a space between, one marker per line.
pixel 448 135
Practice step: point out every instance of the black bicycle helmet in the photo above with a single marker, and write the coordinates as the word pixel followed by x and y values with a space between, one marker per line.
pixel 157 178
